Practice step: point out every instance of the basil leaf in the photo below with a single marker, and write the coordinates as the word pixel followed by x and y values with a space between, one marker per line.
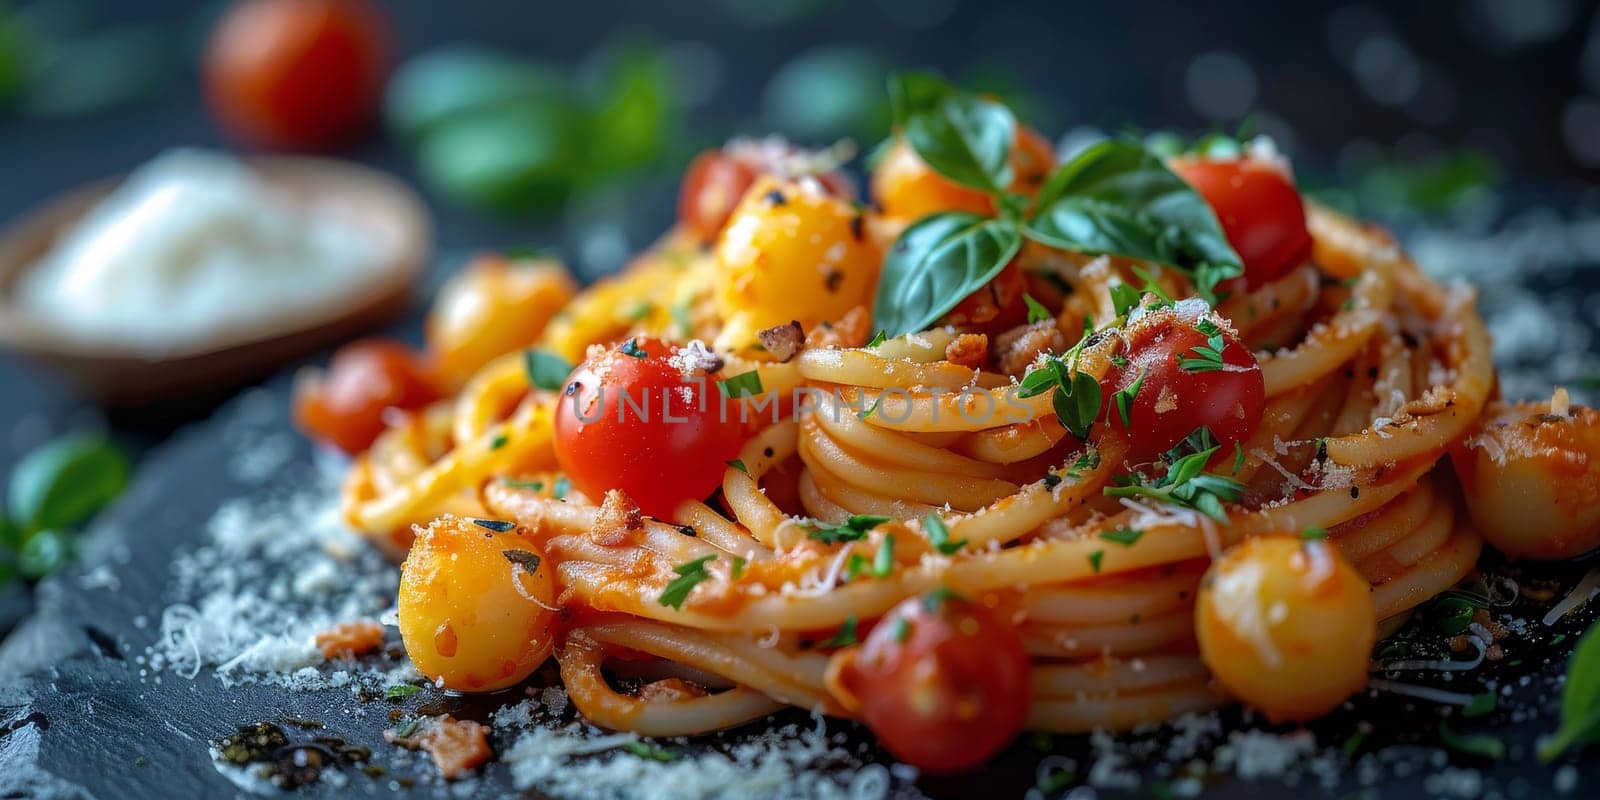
pixel 45 552
pixel 937 262
pixel 545 369
pixel 1580 699
pixel 1118 198
pixel 66 482
pixel 961 135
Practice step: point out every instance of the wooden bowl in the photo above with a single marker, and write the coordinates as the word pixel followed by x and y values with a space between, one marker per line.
pixel 123 374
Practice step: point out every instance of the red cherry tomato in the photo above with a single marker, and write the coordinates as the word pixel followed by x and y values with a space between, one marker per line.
pixel 942 681
pixel 995 308
pixel 297 74
pixel 717 179
pixel 632 420
pixel 345 408
pixel 1184 385
pixel 1259 208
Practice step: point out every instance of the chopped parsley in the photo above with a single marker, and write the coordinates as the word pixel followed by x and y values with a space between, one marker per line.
pixel 1206 357
pixel 939 535
pixel 854 529
pixel 1238 457
pixel 1124 397
pixel 741 385
pixel 1088 459
pixel 854 566
pixel 738 464
pixel 545 369
pixel 1095 558
pixel 650 751
pixel 559 489
pixel 690 574
pixel 632 348
pixel 870 410
pixel 883 563
pixel 1314 534
pixel 1077 394
pixel 400 690
pixel 1036 310
pixel 498 441
pixel 738 567
pixel 902 630
pixel 845 636
pixel 877 338
pixel 1481 745
pixel 933 601
pixel 1185 484
pixel 1123 536
pixel 497 525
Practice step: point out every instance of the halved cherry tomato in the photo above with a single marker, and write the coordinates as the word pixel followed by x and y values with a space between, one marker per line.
pixel 1190 373
pixel 717 179
pixel 297 74
pixel 1260 210
pixel 907 188
pixel 632 419
pixel 942 681
pixel 345 407
pixel 997 307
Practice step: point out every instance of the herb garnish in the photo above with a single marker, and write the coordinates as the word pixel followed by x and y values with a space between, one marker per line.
pixel 632 348
pixel 1077 394
pixel 559 489
pixel 939 535
pixel 737 571
pixel 902 630
pixel 1186 484
pixel 499 441
pixel 741 385
pixel 516 483
pixel 845 636
pixel 1480 705
pixel 1036 311
pixel 738 464
pixel 1481 745
pixel 690 574
pixel 497 525
pixel 1206 357
pixel 1114 197
pixel 1123 536
pixel 546 370
pixel 854 529
pixel 400 690
pixel 1580 699
pixel 1314 534
pixel 1124 397
pixel 883 563
pixel 877 338
pixel 650 751
pixel 1095 558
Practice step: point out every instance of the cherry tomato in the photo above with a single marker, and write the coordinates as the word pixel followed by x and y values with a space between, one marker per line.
pixel 907 188
pixel 1190 373
pixel 942 681
pixel 1260 210
pixel 1286 625
pixel 995 308
pixel 345 407
pixel 297 74
pixel 1531 478
pixel 631 419
pixel 717 179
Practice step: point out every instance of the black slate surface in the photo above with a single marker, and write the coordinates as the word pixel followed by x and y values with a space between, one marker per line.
pixel 86 722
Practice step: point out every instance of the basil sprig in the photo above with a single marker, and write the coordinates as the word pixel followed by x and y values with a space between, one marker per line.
pixel 1580 700
pixel 52 490
pixel 1113 198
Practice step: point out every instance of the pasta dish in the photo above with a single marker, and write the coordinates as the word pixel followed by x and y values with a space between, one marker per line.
pixel 1026 443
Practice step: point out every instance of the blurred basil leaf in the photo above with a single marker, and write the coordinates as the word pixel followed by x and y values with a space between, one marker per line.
pixel 10 534
pixel 828 93
pixel 65 482
pixel 101 69
pixel 440 84
pixel 635 109
pixel 16 54
pixel 508 159
pixel 45 552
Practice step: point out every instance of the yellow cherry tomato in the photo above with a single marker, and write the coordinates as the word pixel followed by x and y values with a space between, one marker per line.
pixel 1531 478
pixel 791 251
pixel 476 604
pixel 907 188
pixel 1286 625
pixel 492 307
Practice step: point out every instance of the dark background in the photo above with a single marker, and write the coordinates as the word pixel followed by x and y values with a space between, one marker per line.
pixel 1354 91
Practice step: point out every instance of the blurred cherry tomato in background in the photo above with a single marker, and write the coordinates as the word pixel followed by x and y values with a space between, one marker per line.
pixel 297 74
